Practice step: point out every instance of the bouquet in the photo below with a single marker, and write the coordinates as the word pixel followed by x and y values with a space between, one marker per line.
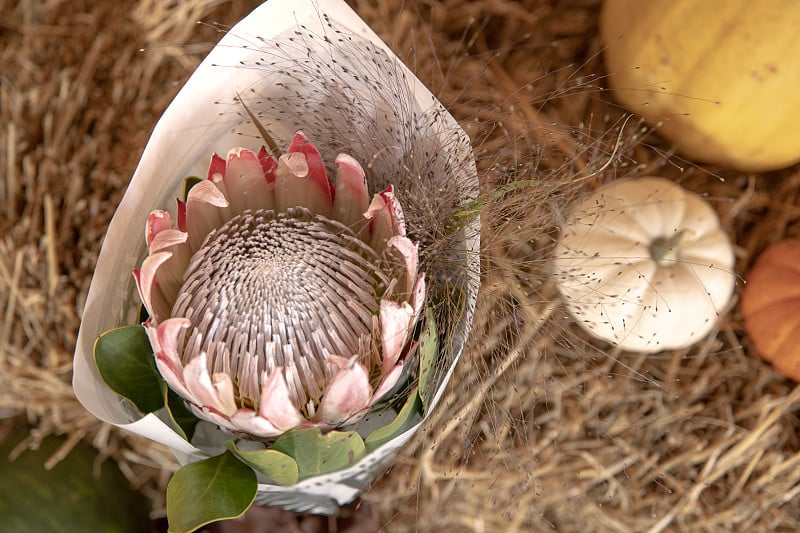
pixel 306 279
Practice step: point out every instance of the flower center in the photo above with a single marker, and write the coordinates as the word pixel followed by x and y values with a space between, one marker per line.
pixel 283 289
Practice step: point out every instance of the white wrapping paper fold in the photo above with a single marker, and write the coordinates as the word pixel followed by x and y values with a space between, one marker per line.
pixel 311 65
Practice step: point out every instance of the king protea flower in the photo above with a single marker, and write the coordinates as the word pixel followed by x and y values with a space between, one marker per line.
pixel 280 299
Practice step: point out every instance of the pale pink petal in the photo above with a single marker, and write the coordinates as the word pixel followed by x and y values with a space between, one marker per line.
pixel 169 336
pixel 198 380
pixel 164 340
pixel 388 383
pixel 294 189
pixel 205 192
pixel 410 254
pixel 275 404
pixel 219 182
pixel 157 222
pixel 212 416
pixel 147 283
pixel 352 198
pixel 225 393
pixel 248 421
pixel 348 394
pixel 395 323
pixel 293 164
pixel 316 169
pixel 386 218
pixel 170 273
pixel 214 395
pixel 167 238
pixel 395 210
pixel 245 183
pixel 300 179
pixel 151 329
pixel 290 184
pixel 380 224
pixel 204 212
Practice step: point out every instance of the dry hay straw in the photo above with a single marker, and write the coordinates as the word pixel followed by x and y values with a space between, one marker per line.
pixel 540 429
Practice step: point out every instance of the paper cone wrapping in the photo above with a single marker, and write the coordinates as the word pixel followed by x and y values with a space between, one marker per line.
pixel 299 65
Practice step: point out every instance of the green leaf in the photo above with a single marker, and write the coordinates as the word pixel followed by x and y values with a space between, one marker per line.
pixel 316 453
pixel 428 354
pixel 126 363
pixel 217 488
pixel 277 466
pixel 405 419
pixel 183 421
pixel 188 183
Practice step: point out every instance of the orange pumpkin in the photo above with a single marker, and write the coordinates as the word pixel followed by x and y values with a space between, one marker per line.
pixel 771 307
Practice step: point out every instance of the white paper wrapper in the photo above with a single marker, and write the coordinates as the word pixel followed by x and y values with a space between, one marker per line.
pixel 310 65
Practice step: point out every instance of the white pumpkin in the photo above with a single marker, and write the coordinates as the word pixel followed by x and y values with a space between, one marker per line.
pixel 645 265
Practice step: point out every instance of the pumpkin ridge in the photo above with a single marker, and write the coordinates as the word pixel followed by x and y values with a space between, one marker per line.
pixel 787 366
pixel 783 257
pixel 764 319
pixel 779 301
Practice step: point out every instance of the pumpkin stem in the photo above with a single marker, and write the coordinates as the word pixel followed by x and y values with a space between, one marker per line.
pixel 665 250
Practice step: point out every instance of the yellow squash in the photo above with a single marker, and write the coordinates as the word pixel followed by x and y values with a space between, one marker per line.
pixel 719 78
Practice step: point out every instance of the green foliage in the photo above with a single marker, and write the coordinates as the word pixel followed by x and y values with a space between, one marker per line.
pixel 125 361
pixel 182 420
pixel 217 488
pixel 316 453
pixel 405 419
pixel 428 355
pixel 276 465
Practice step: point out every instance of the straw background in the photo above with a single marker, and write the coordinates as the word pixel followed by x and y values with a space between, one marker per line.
pixel 541 429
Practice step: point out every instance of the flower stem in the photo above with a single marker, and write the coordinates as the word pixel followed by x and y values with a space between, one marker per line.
pixel 665 250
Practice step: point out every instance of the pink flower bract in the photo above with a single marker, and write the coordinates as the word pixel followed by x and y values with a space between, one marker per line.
pixel 280 298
